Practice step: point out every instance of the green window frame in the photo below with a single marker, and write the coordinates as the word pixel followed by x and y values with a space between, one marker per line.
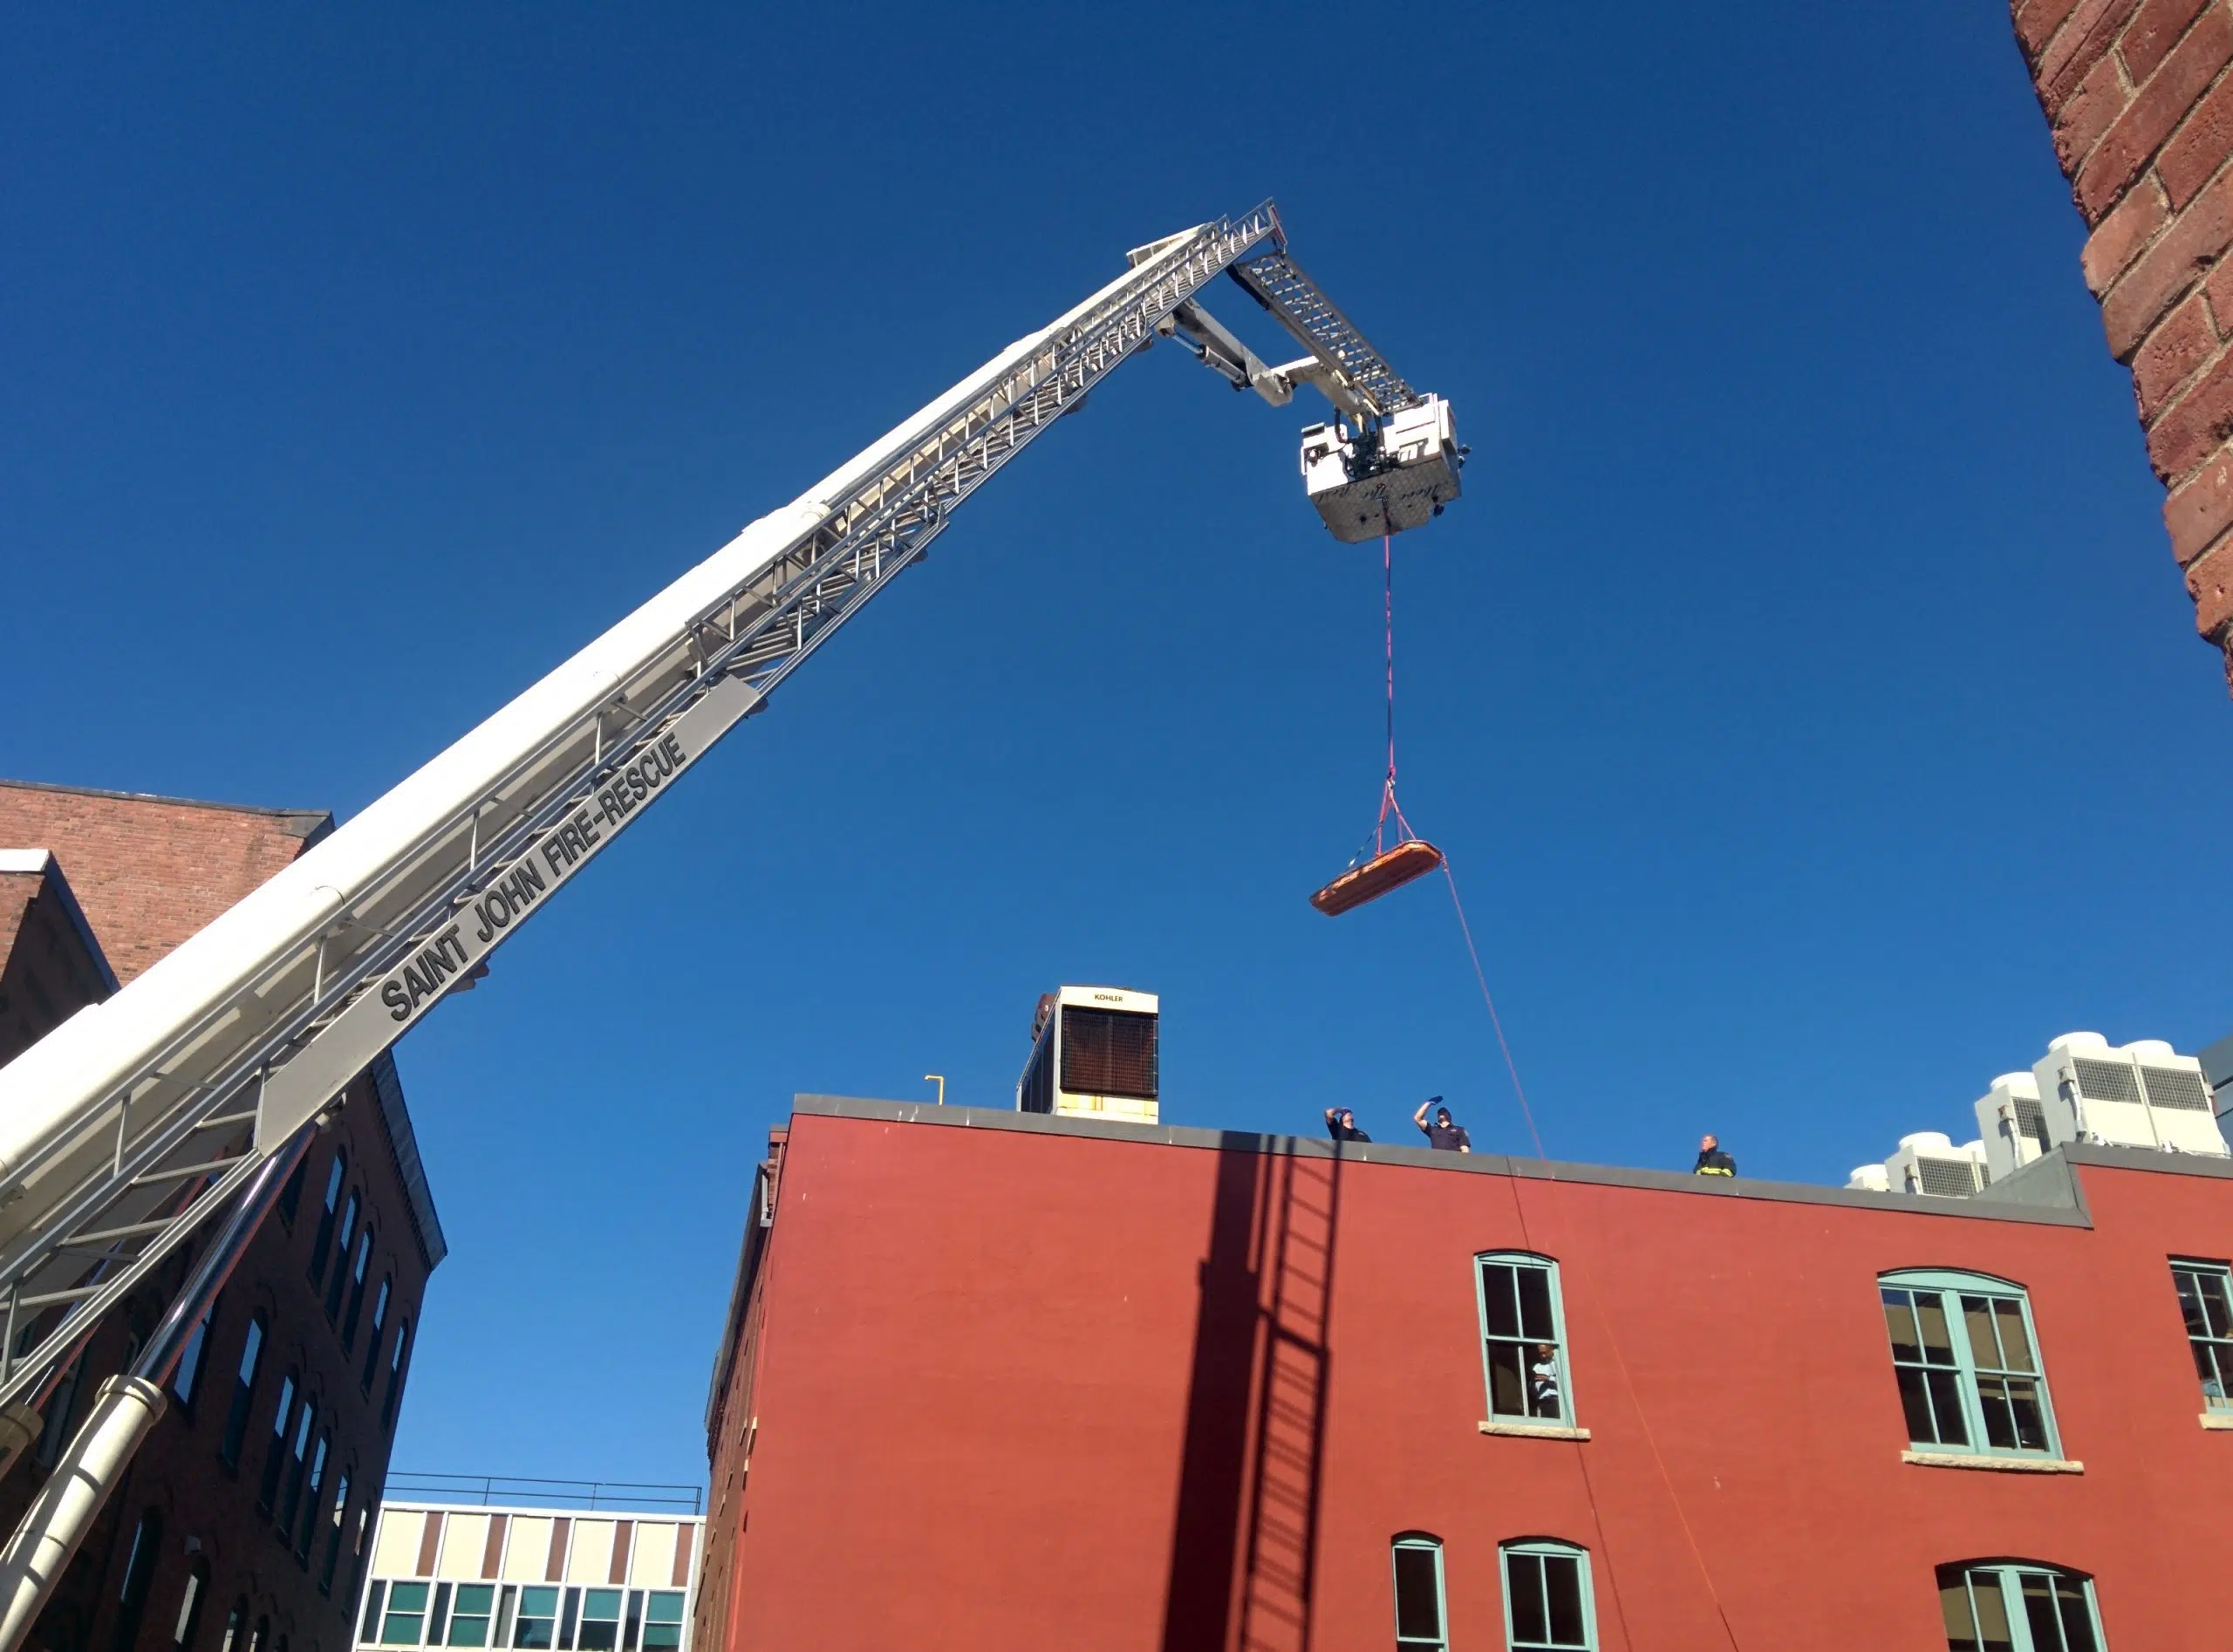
pixel 404 1622
pixel 470 1616
pixel 2019 1606
pixel 662 1622
pixel 1549 1606
pixel 537 1628
pixel 1967 1359
pixel 2206 1302
pixel 1422 1608
pixel 1522 1314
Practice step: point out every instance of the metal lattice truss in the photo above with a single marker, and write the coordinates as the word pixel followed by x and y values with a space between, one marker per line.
pixel 1276 282
pixel 82 1223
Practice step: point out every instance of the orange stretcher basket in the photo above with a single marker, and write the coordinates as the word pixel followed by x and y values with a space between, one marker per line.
pixel 1414 857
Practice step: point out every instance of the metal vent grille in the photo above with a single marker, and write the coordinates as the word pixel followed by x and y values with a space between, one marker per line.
pixel 2031 1121
pixel 2175 1087
pixel 2106 1081
pixel 1948 1178
pixel 1109 1052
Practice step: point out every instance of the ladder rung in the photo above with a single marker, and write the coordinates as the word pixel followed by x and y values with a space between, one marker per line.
pixel 103 1235
pixel 184 1172
pixel 51 1298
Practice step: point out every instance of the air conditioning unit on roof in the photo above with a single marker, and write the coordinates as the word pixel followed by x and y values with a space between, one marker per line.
pixel 2143 1094
pixel 1095 1053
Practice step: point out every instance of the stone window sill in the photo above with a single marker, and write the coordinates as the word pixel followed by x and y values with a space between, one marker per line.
pixel 1542 1431
pixel 2217 1419
pixel 1998 1465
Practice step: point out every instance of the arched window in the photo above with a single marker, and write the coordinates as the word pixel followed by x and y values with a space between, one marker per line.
pixel 275 1449
pixel 334 1176
pixel 189 1622
pixel 342 1239
pixel 1970 1377
pixel 298 1457
pixel 243 1393
pixel 235 1623
pixel 261 1640
pixel 139 1575
pixel 1523 1338
pixel 2017 1606
pixel 188 1377
pixel 1547 1606
pixel 380 1324
pixel 357 1290
pixel 396 1367
pixel 1421 1622
pixel 314 1502
pixel 336 1528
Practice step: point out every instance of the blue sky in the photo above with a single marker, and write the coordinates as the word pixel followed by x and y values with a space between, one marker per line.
pixel 1803 691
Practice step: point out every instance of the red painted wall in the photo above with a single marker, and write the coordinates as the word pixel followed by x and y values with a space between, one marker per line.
pixel 984 1418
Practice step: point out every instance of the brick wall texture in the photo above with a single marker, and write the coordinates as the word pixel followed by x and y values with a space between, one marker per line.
pixel 2140 100
pixel 149 871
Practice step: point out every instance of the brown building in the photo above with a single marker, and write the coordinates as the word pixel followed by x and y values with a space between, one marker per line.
pixel 244 1523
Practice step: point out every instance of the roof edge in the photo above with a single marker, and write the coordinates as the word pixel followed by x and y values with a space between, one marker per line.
pixel 2049 1208
pixel 309 824
pixel 410 1168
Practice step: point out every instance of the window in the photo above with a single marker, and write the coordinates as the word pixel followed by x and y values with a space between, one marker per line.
pixel 236 1620
pixel 336 1528
pixel 55 1433
pixel 275 1449
pixel 1966 1360
pixel 663 1621
pixel 2014 1606
pixel 290 1202
pixel 139 1573
pixel 566 1617
pixel 395 1369
pixel 357 1289
pixel 1522 1336
pixel 2203 1298
pixel 189 1622
pixel 380 1323
pixel 345 1237
pixel 600 1622
pixel 538 1620
pixel 1546 1602
pixel 1417 1561
pixel 407 1615
pixel 243 1394
pixel 476 1604
pixel 374 1595
pixel 188 1377
pixel 439 1621
pixel 334 1178
pixel 298 1459
pixel 316 1501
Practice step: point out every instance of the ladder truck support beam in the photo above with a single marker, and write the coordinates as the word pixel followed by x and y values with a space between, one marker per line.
pixel 130 1405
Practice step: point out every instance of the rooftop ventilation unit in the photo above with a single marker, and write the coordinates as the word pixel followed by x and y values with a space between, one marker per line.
pixel 2013 1124
pixel 2144 1094
pixel 1095 1053
pixel 1928 1164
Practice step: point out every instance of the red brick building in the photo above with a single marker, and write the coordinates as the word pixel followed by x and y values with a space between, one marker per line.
pixel 243 1523
pixel 999 1379
pixel 2138 96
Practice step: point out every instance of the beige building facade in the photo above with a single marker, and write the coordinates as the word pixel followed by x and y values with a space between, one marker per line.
pixel 535 1578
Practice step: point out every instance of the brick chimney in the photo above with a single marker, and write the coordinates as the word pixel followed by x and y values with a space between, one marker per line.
pixel 2141 105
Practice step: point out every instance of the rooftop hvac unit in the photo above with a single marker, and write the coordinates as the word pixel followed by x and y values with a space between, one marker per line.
pixel 2144 1094
pixel 1928 1163
pixel 1095 1053
pixel 2013 1124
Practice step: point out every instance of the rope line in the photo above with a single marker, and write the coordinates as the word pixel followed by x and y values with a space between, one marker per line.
pixel 1604 1316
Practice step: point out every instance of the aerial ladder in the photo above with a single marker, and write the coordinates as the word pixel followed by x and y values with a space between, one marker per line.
pixel 195 1090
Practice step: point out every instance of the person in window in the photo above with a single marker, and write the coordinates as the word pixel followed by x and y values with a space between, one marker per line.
pixel 1712 1160
pixel 1543 1380
pixel 1450 1139
pixel 1341 1125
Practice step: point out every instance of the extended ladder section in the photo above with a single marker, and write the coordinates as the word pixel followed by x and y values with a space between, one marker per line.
pixel 125 1128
